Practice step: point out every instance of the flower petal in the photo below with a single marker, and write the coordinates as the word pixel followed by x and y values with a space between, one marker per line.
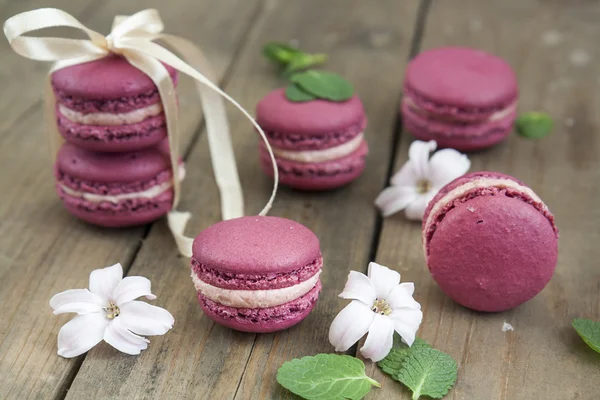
pixel 350 325
pixel 408 287
pixel 399 297
pixel 145 319
pixel 406 323
pixel 395 198
pixel 380 338
pixel 80 301
pixel 418 153
pixel 447 165
pixel 359 287
pixel 123 340
pixel 383 279
pixel 406 175
pixel 81 334
pixel 103 281
pixel 132 287
pixel 416 209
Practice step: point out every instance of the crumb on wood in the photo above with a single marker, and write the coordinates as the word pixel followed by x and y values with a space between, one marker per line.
pixel 507 327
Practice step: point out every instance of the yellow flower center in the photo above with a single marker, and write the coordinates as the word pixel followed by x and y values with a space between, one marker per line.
pixel 112 310
pixel 381 307
pixel 423 186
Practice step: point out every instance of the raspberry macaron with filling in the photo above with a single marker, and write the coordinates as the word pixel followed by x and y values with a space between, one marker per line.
pixel 490 242
pixel 462 98
pixel 318 144
pixel 116 189
pixel 257 274
pixel 108 105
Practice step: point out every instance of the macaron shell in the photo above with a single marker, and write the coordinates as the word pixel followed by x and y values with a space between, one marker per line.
pixel 117 219
pixel 108 78
pixel 276 113
pixel 256 245
pixel 493 253
pixel 262 320
pixel 317 176
pixel 462 77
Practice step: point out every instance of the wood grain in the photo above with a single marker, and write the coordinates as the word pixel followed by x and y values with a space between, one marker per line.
pixel 200 359
pixel 552 47
pixel 43 250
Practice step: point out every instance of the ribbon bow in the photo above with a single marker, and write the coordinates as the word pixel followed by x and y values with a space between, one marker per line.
pixel 133 38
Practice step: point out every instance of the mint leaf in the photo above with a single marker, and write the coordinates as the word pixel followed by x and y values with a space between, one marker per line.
pixel 326 376
pixel 589 332
pixel 392 363
pixel 534 125
pixel 294 93
pixel 302 61
pixel 280 52
pixel 428 372
pixel 324 85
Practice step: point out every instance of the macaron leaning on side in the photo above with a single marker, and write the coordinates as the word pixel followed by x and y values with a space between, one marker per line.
pixel 490 242
pixel 109 105
pixel 462 98
pixel 116 189
pixel 318 144
pixel 257 274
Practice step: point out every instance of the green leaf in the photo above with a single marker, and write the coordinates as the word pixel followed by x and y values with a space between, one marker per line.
pixel 534 125
pixel 324 85
pixel 589 332
pixel 428 372
pixel 302 61
pixel 280 52
pixel 392 363
pixel 296 94
pixel 326 376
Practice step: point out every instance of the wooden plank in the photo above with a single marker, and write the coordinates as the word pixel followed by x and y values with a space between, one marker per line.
pixel 199 359
pixel 553 50
pixel 43 250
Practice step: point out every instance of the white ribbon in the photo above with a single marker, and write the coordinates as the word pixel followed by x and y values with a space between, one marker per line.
pixel 133 38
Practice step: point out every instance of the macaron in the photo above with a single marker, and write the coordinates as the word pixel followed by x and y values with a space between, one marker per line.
pixel 109 105
pixel 115 189
pixel 490 242
pixel 318 144
pixel 462 98
pixel 257 274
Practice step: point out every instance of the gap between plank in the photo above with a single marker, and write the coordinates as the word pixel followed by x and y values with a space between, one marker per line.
pixel 127 264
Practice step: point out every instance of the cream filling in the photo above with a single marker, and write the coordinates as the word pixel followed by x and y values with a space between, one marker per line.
pixel 152 192
pixel 131 117
pixel 498 115
pixel 314 156
pixel 461 190
pixel 254 298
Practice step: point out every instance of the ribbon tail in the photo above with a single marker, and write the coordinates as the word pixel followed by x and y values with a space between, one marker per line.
pixel 177 221
pixel 217 129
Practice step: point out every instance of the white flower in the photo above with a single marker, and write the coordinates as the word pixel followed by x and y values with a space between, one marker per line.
pixel 107 312
pixel 420 178
pixel 380 305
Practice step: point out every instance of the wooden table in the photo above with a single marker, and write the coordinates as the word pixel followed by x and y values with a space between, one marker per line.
pixel 43 250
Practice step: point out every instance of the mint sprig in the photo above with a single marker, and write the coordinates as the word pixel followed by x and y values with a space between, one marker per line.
pixel 424 370
pixel 323 85
pixel 296 94
pixel 326 376
pixel 534 125
pixel 589 332
pixel 291 58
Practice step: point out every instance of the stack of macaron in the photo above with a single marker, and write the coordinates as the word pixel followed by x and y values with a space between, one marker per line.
pixel 462 98
pixel 318 144
pixel 257 274
pixel 114 168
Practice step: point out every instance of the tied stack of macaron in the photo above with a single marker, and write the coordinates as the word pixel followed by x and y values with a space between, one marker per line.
pixel 462 98
pixel 114 168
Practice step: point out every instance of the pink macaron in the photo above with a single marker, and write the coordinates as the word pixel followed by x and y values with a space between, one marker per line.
pixel 115 189
pixel 462 98
pixel 109 105
pixel 318 144
pixel 257 274
pixel 490 242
